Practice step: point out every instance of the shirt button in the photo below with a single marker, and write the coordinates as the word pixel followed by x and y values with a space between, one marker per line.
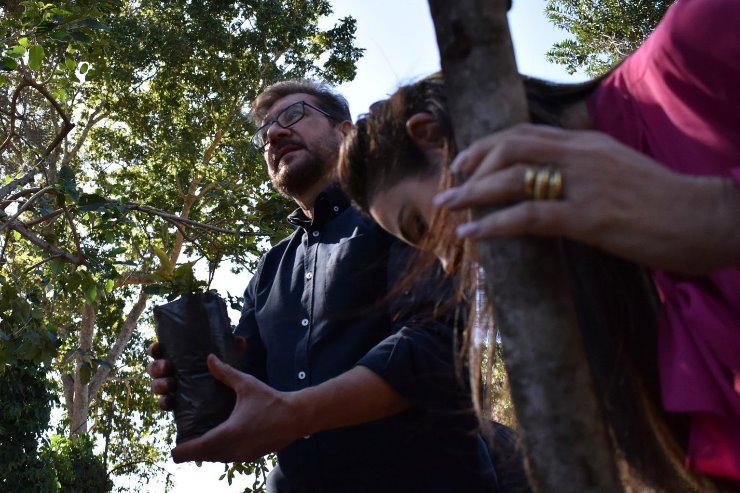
pixel 315 234
pixel 304 322
pixel 302 375
pixel 309 275
pixel 336 208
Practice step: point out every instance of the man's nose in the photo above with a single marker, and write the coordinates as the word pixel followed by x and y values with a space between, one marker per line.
pixel 275 131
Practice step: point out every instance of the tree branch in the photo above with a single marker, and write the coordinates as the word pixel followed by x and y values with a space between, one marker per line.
pixel 73 229
pixel 24 180
pixel 187 222
pixel 44 245
pixel 132 278
pixel 129 325
pixel 25 206
pixel 94 118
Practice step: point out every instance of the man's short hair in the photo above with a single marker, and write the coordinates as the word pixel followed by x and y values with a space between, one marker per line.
pixel 328 99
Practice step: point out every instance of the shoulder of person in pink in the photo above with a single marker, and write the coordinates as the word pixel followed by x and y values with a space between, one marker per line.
pixel 677 100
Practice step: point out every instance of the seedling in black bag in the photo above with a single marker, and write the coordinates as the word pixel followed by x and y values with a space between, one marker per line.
pixel 191 327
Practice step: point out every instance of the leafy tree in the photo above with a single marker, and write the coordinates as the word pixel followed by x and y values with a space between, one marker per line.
pixel 24 417
pixel 124 160
pixel 77 468
pixel 603 32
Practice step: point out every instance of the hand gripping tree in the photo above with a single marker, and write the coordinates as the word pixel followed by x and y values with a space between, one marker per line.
pixel 565 440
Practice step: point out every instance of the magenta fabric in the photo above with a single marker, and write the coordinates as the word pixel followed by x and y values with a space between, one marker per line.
pixel 677 99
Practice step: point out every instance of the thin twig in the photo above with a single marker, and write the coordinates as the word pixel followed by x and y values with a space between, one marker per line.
pixel 72 227
pixel 25 206
pixel 188 222
pixel 5 203
pixel 43 219
pixel 40 263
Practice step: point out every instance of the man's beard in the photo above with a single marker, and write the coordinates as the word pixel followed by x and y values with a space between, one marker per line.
pixel 296 178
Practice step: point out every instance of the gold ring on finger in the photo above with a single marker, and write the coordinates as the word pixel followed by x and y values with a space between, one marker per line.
pixel 529 175
pixel 541 184
pixel 555 185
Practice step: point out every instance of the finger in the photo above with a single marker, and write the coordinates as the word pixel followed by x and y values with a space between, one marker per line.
pixel 544 217
pixel 226 374
pixel 500 187
pixel 507 143
pixel 159 368
pixel 211 447
pixel 163 386
pixel 155 350
pixel 530 150
pixel 166 402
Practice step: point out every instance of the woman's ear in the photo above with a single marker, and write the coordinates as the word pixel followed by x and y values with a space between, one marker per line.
pixel 424 130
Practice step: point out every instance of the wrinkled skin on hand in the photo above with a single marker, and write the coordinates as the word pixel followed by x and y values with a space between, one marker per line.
pixel 614 198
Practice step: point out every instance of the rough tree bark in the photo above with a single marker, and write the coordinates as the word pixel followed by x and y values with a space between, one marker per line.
pixel 566 443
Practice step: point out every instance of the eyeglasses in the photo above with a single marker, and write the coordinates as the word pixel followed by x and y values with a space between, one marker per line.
pixel 286 118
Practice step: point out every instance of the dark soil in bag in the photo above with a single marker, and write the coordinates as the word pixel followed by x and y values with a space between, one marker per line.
pixel 188 329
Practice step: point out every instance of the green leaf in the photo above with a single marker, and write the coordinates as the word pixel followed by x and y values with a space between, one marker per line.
pixel 93 24
pixel 16 51
pixel 84 67
pixel 154 289
pixel 57 266
pixel 80 36
pixel 23 42
pixel 67 183
pixel 91 202
pixel 35 56
pixel 60 35
pixel 89 290
pixel 7 64
pixel 70 63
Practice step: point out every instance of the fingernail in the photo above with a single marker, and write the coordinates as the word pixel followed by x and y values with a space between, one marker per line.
pixel 458 162
pixel 446 198
pixel 467 230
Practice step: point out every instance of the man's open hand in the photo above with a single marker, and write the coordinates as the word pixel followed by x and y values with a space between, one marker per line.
pixel 263 420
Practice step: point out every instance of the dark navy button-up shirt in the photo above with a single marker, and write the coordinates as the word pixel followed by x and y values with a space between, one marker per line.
pixel 319 305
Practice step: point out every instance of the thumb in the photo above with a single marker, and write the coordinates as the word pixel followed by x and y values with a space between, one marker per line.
pixel 226 374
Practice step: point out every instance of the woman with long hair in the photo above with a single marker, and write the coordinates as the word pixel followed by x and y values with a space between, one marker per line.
pixel 641 179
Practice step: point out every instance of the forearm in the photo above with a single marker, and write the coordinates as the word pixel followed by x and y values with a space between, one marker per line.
pixel 711 225
pixel 727 222
pixel 355 397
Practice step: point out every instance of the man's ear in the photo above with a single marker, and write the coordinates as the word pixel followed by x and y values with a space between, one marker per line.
pixel 344 127
pixel 424 130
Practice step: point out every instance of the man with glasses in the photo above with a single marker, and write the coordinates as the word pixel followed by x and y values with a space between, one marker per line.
pixel 354 390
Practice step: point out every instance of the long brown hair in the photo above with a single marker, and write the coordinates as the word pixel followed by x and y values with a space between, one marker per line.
pixel 616 300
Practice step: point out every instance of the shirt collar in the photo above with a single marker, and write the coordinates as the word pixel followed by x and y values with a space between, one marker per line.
pixel 329 204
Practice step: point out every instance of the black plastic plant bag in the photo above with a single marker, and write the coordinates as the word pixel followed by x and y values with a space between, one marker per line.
pixel 188 329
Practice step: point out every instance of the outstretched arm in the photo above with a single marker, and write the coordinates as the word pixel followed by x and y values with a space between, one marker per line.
pixel 265 420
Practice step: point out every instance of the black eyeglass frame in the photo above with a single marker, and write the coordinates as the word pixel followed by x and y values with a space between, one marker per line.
pixel 259 139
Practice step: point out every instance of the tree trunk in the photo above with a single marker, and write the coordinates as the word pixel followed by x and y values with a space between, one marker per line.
pixel 79 411
pixel 566 443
